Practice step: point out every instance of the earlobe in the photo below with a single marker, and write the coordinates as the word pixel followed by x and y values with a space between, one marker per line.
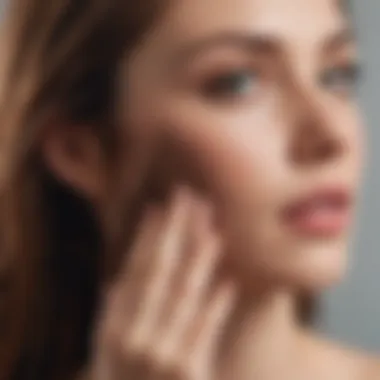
pixel 74 156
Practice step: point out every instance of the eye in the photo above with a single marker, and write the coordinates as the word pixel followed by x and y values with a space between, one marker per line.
pixel 343 78
pixel 234 84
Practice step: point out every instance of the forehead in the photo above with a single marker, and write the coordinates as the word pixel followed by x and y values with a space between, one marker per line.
pixel 289 20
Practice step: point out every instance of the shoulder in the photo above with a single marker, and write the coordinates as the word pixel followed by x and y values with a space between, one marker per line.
pixel 338 361
pixel 373 372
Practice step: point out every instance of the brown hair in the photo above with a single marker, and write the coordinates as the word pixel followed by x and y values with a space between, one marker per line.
pixel 64 65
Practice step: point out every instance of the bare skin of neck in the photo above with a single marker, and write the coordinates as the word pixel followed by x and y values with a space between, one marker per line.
pixel 269 344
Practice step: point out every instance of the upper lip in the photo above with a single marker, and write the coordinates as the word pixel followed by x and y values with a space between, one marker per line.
pixel 338 196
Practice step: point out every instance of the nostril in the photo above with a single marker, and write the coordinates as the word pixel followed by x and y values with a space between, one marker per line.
pixel 326 150
pixel 314 142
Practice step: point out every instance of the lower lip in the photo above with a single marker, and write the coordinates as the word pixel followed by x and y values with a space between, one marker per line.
pixel 320 222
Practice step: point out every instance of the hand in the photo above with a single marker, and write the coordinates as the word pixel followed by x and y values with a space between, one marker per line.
pixel 167 309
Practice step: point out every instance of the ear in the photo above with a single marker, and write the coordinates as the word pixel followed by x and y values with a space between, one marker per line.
pixel 75 157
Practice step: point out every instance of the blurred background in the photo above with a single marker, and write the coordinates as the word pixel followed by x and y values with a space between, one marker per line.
pixel 351 313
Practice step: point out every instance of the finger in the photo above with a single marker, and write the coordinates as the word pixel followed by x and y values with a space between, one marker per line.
pixel 167 254
pixel 210 325
pixel 136 260
pixel 127 287
pixel 196 241
pixel 190 295
pixel 196 356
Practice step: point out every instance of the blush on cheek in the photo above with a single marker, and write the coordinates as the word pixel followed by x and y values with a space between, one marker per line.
pixel 220 155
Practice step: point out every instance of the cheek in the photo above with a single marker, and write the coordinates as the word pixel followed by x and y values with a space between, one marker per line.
pixel 237 161
pixel 243 165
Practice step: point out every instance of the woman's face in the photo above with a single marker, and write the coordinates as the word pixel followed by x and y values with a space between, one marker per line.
pixel 253 102
pixel 257 100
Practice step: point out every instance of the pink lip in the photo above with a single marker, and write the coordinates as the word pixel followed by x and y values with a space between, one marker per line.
pixel 325 212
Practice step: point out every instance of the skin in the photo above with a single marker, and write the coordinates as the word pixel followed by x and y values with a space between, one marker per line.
pixel 301 134
pixel 254 120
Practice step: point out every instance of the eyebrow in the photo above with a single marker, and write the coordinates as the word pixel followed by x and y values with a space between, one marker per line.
pixel 255 42
pixel 260 43
pixel 342 37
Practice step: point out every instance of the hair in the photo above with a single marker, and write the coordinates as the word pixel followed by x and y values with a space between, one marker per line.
pixel 64 65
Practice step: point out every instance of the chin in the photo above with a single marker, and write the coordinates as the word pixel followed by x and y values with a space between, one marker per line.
pixel 319 266
pixel 307 267
pixel 270 258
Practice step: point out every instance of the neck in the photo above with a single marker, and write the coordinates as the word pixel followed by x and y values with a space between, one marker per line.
pixel 263 338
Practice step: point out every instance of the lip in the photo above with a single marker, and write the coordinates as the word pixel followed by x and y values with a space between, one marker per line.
pixel 323 212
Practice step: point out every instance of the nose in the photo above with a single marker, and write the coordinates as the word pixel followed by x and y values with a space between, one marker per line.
pixel 315 137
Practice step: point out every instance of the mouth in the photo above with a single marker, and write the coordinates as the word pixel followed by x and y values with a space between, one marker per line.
pixel 323 213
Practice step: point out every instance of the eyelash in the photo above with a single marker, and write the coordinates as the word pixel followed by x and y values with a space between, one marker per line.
pixel 348 75
pixel 222 86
